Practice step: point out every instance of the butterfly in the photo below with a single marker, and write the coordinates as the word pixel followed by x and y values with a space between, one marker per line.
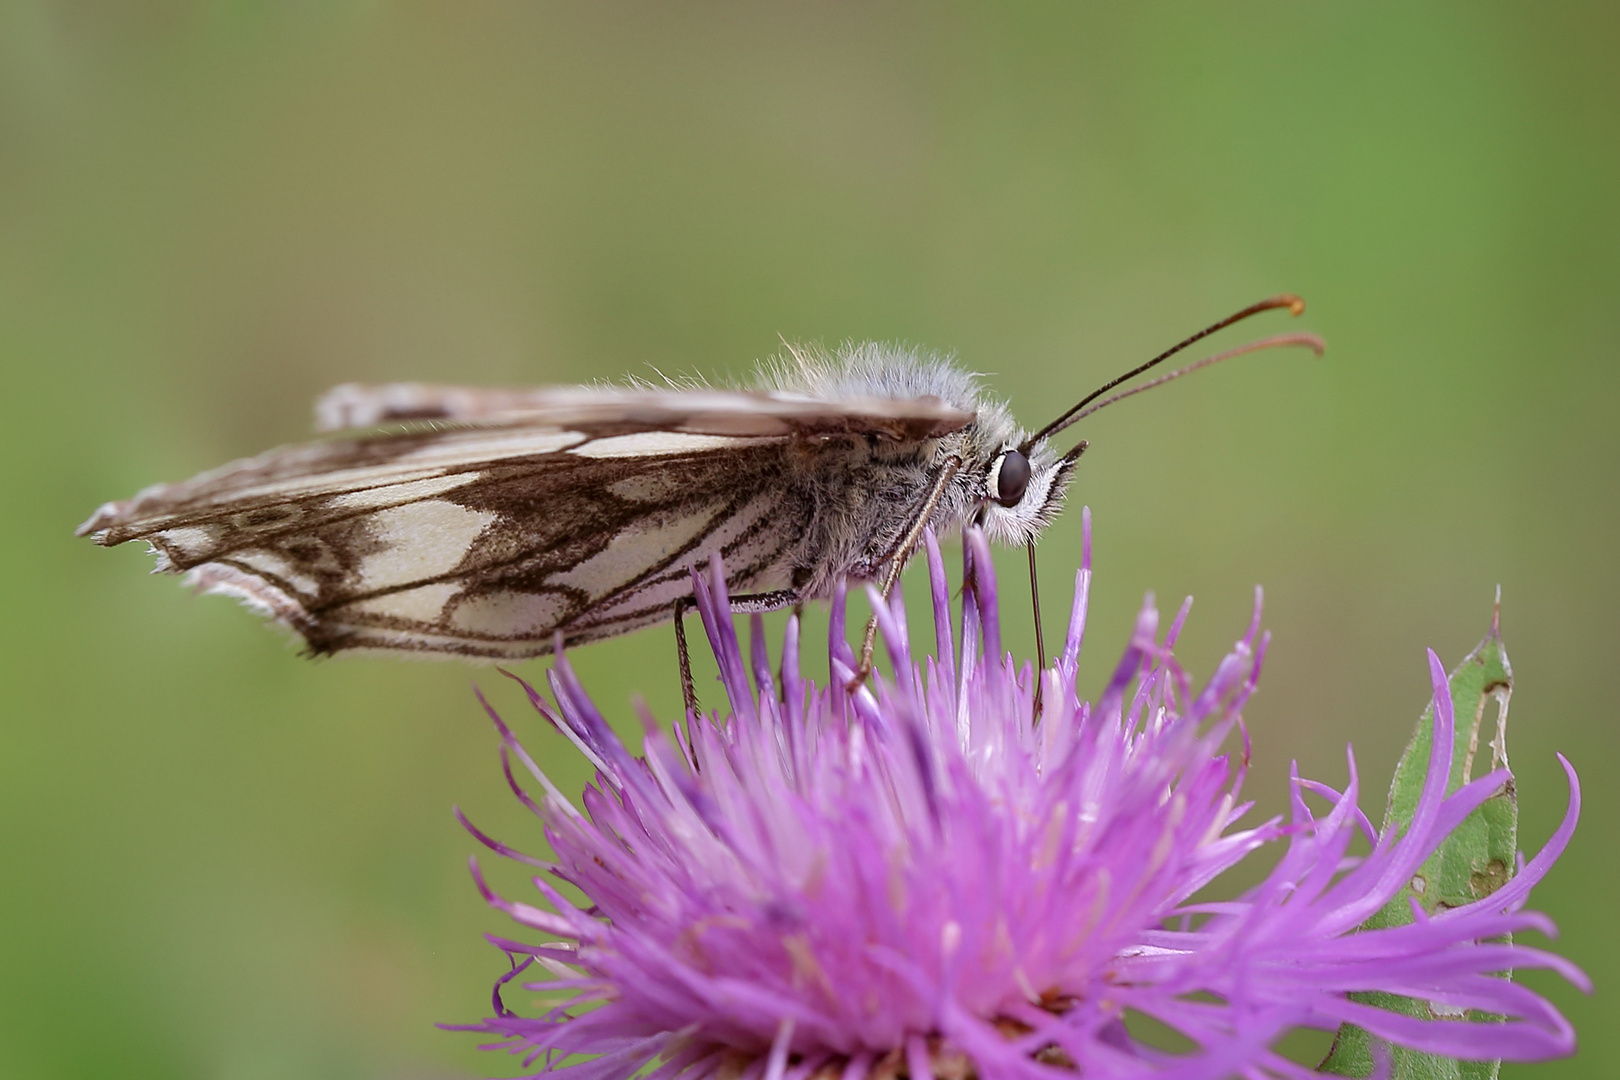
pixel 503 524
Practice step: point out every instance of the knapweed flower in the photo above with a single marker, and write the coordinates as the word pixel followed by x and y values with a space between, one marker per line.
pixel 920 878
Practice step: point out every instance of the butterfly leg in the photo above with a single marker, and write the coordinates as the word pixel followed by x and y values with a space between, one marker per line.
pixel 746 604
pixel 688 690
pixel 896 560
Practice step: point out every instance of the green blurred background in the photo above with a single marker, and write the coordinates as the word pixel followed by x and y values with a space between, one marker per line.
pixel 221 860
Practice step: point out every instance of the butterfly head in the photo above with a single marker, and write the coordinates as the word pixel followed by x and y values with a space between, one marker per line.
pixel 1024 485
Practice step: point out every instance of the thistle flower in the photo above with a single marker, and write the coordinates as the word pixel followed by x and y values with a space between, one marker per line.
pixel 920 878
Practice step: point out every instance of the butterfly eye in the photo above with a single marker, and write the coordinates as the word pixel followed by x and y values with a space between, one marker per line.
pixel 1010 478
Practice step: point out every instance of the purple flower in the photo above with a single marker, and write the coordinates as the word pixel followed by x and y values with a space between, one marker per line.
pixel 919 878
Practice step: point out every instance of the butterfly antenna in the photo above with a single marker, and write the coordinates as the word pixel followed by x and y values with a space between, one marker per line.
pixel 1293 303
pixel 1279 341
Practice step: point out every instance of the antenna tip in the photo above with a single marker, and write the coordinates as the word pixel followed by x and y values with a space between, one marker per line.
pixel 1296 306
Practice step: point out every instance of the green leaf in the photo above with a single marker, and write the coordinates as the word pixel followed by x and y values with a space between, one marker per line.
pixel 1473 862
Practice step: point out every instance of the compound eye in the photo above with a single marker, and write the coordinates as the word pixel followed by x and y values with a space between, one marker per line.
pixel 1010 478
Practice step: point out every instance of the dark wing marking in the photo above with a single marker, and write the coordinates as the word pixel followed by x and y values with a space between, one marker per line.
pixel 611 410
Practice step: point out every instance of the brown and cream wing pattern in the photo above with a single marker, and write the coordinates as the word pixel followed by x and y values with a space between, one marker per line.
pixel 481 553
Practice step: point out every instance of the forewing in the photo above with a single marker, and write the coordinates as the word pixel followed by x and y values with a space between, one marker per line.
pixel 603 411
pixel 477 542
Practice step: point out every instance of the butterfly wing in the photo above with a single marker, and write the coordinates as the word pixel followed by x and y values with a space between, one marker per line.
pixel 566 517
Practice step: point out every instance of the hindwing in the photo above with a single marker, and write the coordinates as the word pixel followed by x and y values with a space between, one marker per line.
pixel 473 543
